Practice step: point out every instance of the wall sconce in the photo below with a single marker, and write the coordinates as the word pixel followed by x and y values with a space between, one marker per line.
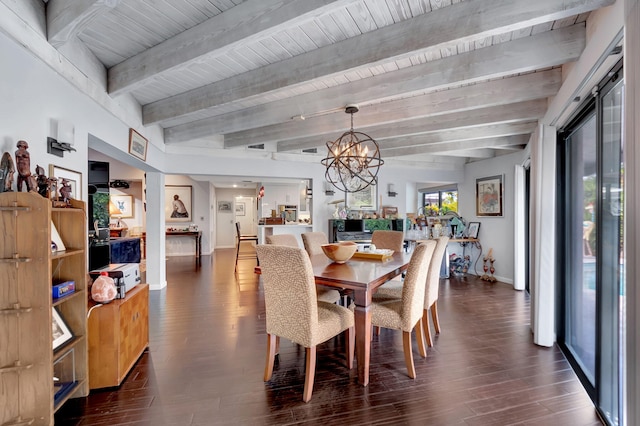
pixel 391 191
pixel 328 189
pixel 65 139
pixel 309 192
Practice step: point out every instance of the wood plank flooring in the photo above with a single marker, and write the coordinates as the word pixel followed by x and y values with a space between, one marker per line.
pixel 207 348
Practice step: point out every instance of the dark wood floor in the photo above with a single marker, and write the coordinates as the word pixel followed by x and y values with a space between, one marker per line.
pixel 207 348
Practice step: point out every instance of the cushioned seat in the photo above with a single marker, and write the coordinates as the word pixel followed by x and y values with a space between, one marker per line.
pixel 293 311
pixel 405 313
pixel 393 290
pixel 328 295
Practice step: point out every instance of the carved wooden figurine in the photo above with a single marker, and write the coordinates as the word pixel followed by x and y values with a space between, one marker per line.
pixel 6 172
pixel 23 164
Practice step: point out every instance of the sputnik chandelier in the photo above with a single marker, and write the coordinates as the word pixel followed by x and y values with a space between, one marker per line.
pixel 353 160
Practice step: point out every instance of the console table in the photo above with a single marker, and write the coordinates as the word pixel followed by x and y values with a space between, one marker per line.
pixel 197 235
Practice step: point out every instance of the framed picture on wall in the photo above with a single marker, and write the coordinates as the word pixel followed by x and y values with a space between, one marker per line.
pixel 240 209
pixel 363 200
pixel 138 145
pixel 178 206
pixel 489 196
pixel 73 178
pixel 224 206
pixel 124 204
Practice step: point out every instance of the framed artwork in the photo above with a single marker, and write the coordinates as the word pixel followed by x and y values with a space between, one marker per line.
pixel 59 330
pixel 74 178
pixel 240 209
pixel 489 196
pixel 138 145
pixel 363 200
pixel 224 206
pixel 473 229
pixel 124 203
pixel 390 212
pixel 178 206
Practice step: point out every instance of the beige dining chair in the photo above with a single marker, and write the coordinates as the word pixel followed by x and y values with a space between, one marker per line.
pixel 393 290
pixel 391 240
pixel 405 314
pixel 324 294
pixel 294 312
pixel 313 242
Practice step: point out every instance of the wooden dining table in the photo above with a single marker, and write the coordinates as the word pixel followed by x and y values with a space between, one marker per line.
pixel 363 276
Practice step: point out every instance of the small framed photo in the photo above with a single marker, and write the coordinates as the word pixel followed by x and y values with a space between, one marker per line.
pixel 138 145
pixel 59 330
pixel 489 196
pixel 240 209
pixel 224 206
pixel 124 204
pixel 473 229
pixel 178 206
pixel 71 176
pixel 390 212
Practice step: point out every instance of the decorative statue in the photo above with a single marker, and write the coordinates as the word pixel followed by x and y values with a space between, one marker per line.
pixel 6 172
pixel 23 163
pixel 65 190
pixel 42 181
pixel 488 266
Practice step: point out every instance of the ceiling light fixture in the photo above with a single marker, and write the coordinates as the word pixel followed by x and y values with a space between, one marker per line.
pixel 353 160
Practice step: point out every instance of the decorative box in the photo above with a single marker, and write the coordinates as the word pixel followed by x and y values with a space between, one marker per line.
pixel 63 288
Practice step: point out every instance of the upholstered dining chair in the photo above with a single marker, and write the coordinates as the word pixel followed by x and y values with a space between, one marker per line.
pixel 293 311
pixel 242 238
pixel 313 242
pixel 324 294
pixel 405 313
pixel 391 240
pixel 393 290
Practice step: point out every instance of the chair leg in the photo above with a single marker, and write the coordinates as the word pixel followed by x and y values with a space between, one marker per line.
pixel 351 346
pixel 376 330
pixel 271 354
pixel 408 356
pixel 434 315
pixel 427 329
pixel 310 373
pixel 277 345
pixel 420 338
pixel 237 254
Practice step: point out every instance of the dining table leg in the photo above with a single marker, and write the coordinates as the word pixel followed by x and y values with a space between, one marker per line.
pixel 363 335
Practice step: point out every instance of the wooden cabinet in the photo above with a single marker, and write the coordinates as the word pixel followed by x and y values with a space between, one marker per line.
pixel 28 270
pixel 118 334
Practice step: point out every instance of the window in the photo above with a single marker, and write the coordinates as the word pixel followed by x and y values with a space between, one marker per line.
pixel 445 200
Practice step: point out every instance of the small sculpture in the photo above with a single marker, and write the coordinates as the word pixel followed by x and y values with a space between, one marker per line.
pixel 23 164
pixel 43 182
pixel 488 266
pixel 65 191
pixel 6 172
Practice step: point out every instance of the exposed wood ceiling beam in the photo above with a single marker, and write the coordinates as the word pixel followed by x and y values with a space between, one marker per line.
pixel 247 22
pixel 435 142
pixel 66 18
pixel 455 24
pixel 522 111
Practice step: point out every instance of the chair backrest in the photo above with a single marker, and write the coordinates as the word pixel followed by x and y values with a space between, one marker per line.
pixel 313 242
pixel 391 240
pixel 289 293
pixel 414 285
pixel 282 240
pixel 238 230
pixel 433 276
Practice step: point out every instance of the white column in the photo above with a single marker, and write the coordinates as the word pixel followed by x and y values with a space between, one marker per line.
pixel 632 203
pixel 155 243
pixel 519 222
pixel 543 165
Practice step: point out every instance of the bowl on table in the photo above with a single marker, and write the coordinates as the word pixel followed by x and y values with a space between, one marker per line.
pixel 340 252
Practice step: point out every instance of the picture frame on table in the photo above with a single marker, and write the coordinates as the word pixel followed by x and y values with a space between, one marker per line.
pixel 59 329
pixel 178 204
pixel 73 178
pixel 363 200
pixel 240 209
pixel 389 212
pixel 138 145
pixel 473 229
pixel 489 196
pixel 124 203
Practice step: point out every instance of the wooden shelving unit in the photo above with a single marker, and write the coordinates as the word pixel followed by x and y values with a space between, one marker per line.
pixel 28 269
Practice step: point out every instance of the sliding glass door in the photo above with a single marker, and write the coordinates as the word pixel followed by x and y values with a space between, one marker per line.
pixel 591 246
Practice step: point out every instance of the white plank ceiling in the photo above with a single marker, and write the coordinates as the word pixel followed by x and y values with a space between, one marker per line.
pixel 438 80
